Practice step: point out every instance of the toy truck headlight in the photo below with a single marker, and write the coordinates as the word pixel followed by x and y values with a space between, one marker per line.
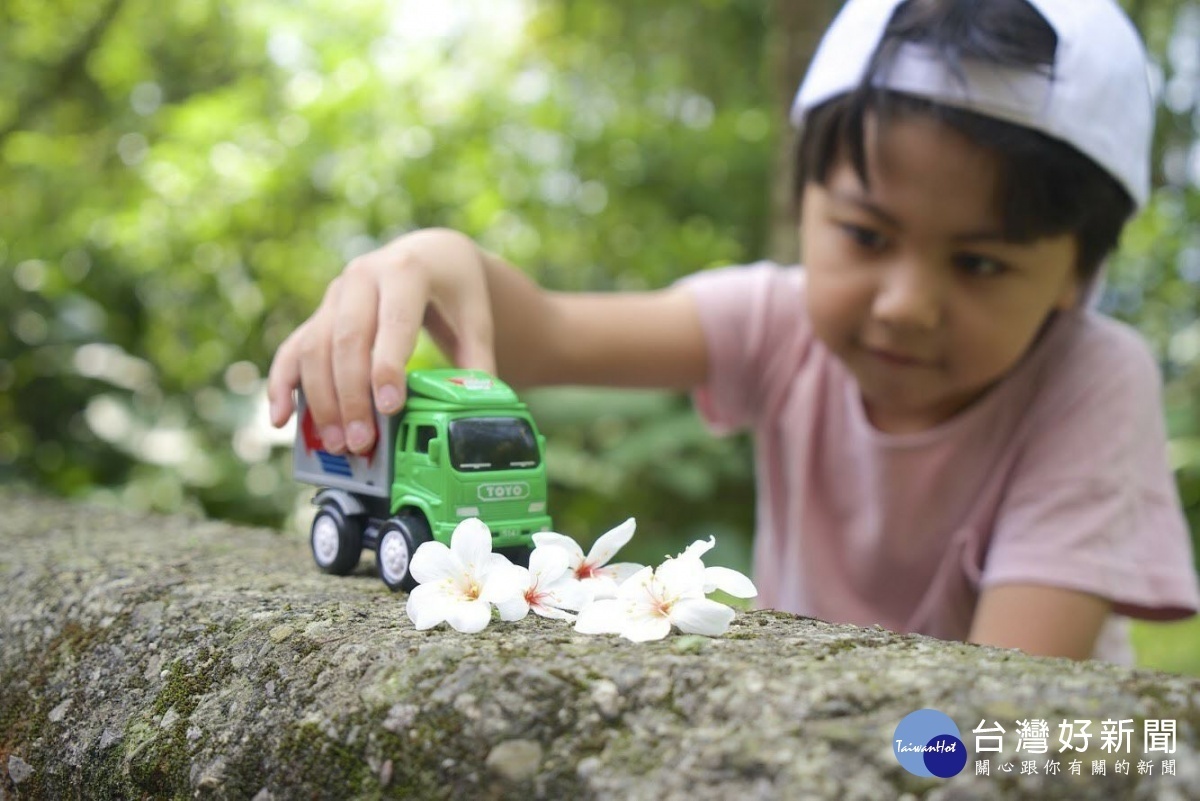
pixel 467 511
pixel 537 506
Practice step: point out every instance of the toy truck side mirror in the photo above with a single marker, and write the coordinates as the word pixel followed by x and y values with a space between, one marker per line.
pixel 437 450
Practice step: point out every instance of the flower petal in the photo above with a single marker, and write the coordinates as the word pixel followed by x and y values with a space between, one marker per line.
pixel 637 586
pixel 426 605
pixel 566 593
pixel 602 617
pixel 469 617
pixel 606 547
pixel 545 539
pixel 700 547
pixel 701 616
pixel 547 564
pixel 513 609
pixel 433 561
pixel 551 612
pixel 728 581
pixel 643 628
pixel 471 542
pixel 682 576
pixel 493 562
pixel 620 571
pixel 498 586
pixel 599 587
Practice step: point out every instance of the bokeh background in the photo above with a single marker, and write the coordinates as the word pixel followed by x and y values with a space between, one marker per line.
pixel 180 181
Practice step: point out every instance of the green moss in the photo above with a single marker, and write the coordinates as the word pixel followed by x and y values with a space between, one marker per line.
pixel 182 690
pixel 568 678
pixel 689 644
pixel 631 754
pixel 158 760
pixel 839 646
pixel 24 691
pixel 324 767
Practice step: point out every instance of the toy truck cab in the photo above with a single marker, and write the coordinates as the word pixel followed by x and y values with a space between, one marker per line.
pixel 463 446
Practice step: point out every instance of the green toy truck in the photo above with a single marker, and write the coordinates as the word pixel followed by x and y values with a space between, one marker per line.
pixel 463 446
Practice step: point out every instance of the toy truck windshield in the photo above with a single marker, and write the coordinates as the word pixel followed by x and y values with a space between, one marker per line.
pixel 492 443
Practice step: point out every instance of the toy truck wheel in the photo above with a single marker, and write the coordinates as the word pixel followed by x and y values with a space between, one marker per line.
pixel 336 541
pixel 398 541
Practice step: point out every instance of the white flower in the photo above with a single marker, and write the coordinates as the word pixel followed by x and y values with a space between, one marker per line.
pixel 459 584
pixel 724 579
pixel 651 601
pixel 598 577
pixel 547 587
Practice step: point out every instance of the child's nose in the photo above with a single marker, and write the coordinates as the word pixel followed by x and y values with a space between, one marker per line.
pixel 910 295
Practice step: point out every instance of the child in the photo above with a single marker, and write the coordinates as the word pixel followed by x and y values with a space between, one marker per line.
pixel 948 440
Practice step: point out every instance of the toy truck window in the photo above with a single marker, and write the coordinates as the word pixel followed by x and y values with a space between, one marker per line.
pixel 492 443
pixel 424 435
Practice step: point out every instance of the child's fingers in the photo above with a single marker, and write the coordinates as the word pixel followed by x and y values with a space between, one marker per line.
pixel 353 332
pixel 401 309
pixel 462 318
pixel 475 346
pixel 316 371
pixel 283 377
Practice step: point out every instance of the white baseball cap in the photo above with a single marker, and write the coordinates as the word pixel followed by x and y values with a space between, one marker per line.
pixel 1096 98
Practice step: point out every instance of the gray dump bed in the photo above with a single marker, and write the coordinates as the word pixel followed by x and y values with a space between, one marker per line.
pixel 366 475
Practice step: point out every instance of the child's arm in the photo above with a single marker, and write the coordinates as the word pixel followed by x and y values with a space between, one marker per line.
pixel 482 313
pixel 1040 620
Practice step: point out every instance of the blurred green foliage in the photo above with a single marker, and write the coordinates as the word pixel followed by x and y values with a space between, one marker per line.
pixel 183 181
pixel 180 182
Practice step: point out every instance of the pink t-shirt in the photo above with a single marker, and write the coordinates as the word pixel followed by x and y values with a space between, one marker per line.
pixel 1057 476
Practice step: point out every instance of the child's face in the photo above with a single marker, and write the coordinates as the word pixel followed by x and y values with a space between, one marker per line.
pixel 911 283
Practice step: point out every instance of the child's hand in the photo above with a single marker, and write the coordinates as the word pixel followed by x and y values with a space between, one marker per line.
pixel 355 345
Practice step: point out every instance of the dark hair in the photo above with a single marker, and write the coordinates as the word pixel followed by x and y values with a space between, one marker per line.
pixel 1047 187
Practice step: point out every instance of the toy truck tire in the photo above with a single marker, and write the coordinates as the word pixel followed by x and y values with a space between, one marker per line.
pixel 398 541
pixel 336 540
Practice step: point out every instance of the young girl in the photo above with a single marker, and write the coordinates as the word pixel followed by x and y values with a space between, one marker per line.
pixel 948 440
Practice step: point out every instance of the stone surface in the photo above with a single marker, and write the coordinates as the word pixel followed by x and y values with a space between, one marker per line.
pixel 146 656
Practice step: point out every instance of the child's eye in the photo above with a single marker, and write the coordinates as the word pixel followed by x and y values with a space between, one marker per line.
pixel 979 266
pixel 864 237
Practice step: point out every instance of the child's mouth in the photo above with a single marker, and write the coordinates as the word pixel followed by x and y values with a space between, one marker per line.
pixel 896 358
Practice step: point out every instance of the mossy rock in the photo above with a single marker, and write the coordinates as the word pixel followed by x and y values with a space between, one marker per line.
pixel 156 657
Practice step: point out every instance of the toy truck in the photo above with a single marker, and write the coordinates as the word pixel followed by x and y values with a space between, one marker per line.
pixel 463 446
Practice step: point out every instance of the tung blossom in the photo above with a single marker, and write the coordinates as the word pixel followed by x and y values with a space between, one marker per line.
pixel 651 601
pixel 548 587
pixel 724 579
pixel 593 571
pixel 459 584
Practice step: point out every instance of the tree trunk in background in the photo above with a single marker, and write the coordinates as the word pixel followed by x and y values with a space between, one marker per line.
pixel 798 25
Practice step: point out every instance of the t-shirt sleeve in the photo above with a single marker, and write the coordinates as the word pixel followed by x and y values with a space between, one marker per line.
pixel 757 333
pixel 1093 505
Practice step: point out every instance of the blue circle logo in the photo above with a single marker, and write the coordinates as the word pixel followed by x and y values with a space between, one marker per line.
pixel 927 743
